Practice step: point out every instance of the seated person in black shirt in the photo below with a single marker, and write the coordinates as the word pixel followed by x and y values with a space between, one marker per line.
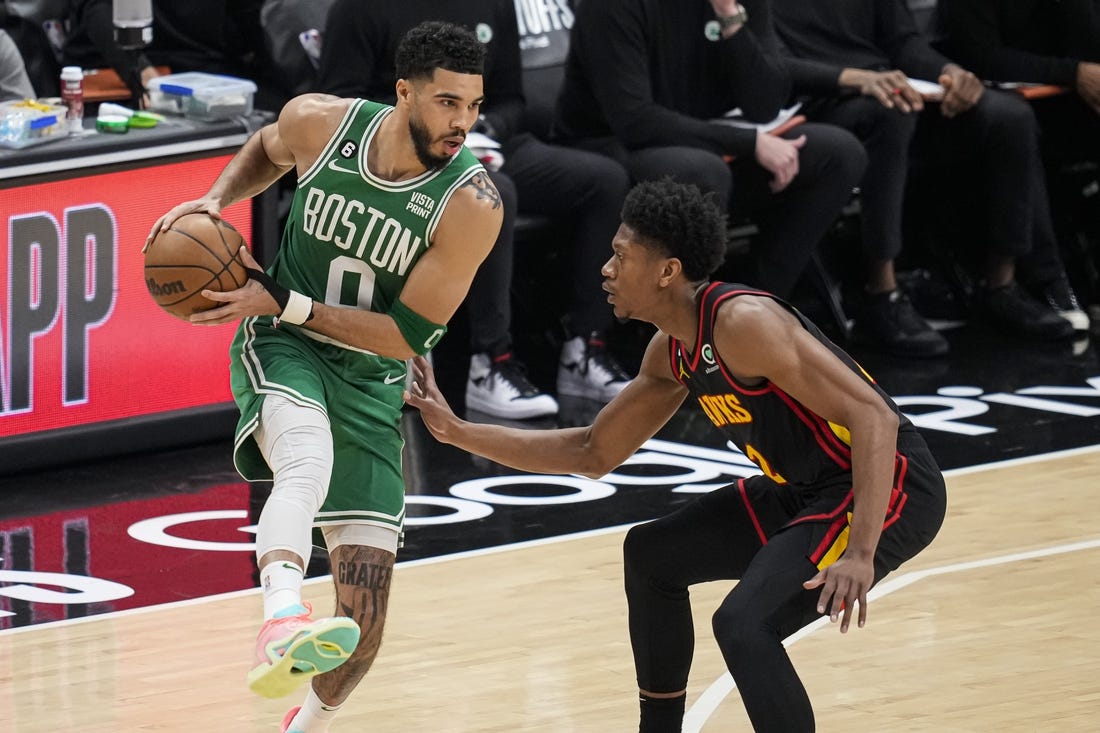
pixel 856 59
pixel 1036 42
pixel 645 82
pixel 1028 41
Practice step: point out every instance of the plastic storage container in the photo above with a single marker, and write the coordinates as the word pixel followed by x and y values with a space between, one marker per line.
pixel 201 96
pixel 27 123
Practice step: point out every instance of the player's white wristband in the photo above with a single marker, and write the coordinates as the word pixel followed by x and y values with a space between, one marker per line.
pixel 298 310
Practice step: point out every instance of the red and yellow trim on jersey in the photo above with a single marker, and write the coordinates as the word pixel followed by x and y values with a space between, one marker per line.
pixel 824 432
pixel 835 541
pixel 752 512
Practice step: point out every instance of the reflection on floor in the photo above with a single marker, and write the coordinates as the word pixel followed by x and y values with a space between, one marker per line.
pixel 152 529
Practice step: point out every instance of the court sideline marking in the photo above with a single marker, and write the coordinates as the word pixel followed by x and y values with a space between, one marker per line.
pixel 498 549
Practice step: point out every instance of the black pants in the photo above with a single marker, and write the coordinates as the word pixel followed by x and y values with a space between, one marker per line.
pixel 996 146
pixel 718 537
pixel 992 150
pixel 791 222
pixel 581 187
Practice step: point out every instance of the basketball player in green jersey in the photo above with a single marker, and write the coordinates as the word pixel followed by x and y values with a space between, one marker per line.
pixel 848 490
pixel 389 222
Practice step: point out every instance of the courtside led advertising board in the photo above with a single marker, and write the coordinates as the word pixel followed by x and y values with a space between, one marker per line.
pixel 81 340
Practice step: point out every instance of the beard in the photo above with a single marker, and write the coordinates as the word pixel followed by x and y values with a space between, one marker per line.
pixel 422 144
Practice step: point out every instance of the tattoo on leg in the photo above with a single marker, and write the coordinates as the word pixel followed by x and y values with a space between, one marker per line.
pixel 485 188
pixel 362 576
pixel 374 580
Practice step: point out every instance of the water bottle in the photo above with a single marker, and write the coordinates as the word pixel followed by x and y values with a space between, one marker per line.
pixel 133 21
pixel 72 96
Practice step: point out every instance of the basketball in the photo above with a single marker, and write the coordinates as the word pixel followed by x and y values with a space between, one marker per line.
pixel 197 253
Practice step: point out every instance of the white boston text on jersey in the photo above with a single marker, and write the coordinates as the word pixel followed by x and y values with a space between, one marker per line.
pixel 351 224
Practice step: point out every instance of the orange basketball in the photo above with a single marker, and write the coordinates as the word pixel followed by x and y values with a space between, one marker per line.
pixel 197 253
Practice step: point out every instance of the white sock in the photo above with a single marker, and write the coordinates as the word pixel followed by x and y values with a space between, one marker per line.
pixel 315 716
pixel 282 584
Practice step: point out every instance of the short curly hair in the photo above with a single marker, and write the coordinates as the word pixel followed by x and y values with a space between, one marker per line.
pixel 680 221
pixel 437 45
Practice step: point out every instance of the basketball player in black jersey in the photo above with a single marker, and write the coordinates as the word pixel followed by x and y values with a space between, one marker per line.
pixel 848 489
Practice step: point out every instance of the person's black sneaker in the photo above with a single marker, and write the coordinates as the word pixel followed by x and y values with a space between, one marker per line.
pixel 890 321
pixel 1059 295
pixel 1014 310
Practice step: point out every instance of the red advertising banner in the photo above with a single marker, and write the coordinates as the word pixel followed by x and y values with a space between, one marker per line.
pixel 81 340
pixel 130 554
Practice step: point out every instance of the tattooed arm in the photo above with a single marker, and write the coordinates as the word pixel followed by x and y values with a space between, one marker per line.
pixel 465 235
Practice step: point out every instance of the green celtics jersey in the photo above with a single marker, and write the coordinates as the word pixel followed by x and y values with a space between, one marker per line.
pixel 352 238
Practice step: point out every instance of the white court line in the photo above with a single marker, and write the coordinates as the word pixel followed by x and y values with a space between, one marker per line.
pixel 494 550
pixel 312 581
pixel 718 690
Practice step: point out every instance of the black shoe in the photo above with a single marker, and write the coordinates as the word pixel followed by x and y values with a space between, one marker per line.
pixel 890 320
pixel 1062 300
pixel 1016 312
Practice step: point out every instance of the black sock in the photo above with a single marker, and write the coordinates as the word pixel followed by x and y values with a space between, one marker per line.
pixel 661 714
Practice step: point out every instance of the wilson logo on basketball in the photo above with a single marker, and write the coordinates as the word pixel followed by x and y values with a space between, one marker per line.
pixel 197 253
pixel 175 287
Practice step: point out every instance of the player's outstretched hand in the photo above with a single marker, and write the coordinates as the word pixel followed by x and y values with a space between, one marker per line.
pixel 843 584
pixel 424 395
pixel 210 206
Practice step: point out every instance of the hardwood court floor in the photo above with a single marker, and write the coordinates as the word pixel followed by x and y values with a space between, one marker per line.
pixel 971 636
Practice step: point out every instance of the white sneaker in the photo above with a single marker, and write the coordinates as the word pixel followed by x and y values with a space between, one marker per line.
pixel 499 386
pixel 587 369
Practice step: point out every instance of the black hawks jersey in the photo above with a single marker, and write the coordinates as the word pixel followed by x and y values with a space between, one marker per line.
pixel 790 443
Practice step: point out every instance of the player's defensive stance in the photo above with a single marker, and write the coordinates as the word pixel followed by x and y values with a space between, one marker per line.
pixel 848 492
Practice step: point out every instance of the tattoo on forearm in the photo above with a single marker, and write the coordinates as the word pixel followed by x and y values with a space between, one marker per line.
pixel 485 189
